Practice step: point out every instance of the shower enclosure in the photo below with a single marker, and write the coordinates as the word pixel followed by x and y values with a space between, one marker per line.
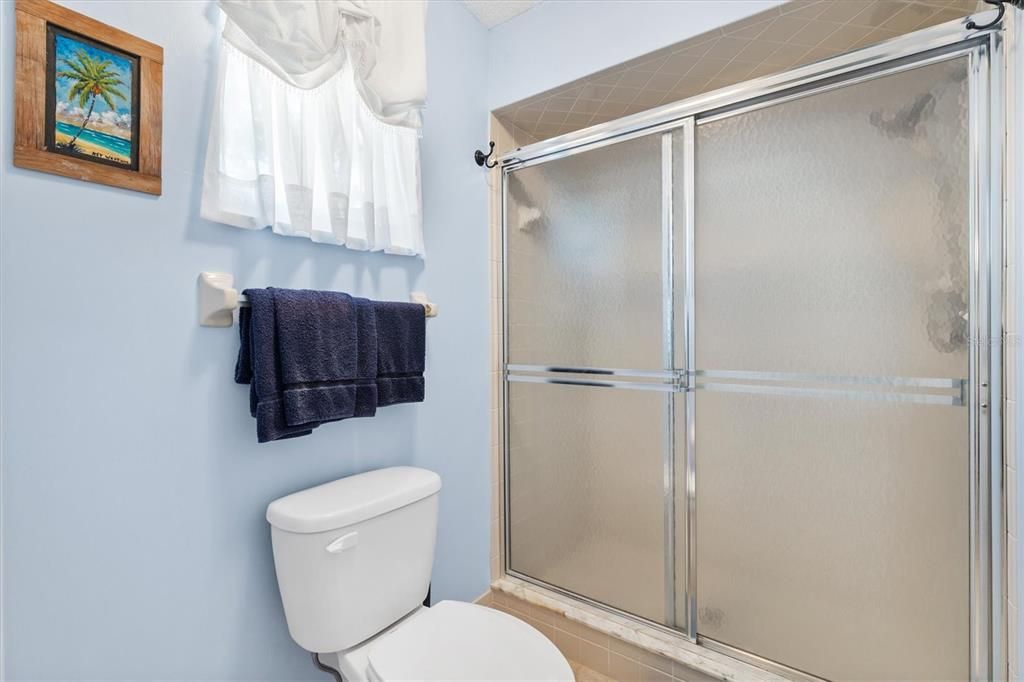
pixel 752 363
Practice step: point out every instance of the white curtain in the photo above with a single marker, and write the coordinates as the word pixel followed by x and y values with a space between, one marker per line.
pixel 315 130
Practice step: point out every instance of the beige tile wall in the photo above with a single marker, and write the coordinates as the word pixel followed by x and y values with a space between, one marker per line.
pixel 594 651
pixel 784 37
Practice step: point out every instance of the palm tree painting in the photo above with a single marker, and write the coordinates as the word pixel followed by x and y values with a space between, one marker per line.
pixel 92 100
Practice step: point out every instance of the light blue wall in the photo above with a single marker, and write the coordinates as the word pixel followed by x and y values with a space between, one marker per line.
pixel 133 488
pixel 560 41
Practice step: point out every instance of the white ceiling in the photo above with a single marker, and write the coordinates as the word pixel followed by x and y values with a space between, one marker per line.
pixel 493 12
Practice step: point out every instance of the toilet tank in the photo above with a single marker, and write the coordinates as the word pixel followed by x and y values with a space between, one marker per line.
pixel 353 556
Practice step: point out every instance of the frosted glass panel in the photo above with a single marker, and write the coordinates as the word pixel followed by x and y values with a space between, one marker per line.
pixel 586 503
pixel 831 238
pixel 585 259
pixel 831 231
pixel 832 535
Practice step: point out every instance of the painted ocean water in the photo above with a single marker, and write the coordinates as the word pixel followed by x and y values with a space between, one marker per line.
pixel 118 145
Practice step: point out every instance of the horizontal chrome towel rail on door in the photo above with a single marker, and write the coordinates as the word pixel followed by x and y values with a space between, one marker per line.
pixel 761 389
pixel 930 391
pixel 923 390
pixel 597 383
pixel 804 377
pixel 603 371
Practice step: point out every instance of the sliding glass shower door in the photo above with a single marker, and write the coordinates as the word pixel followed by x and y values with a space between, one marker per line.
pixel 586 295
pixel 831 285
pixel 749 358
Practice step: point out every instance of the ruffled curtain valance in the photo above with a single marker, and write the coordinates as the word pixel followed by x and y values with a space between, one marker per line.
pixel 315 130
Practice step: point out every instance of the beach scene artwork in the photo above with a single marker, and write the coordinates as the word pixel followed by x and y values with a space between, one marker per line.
pixel 88 99
pixel 93 101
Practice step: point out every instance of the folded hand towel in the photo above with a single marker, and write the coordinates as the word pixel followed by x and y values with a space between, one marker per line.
pixel 260 347
pixel 401 348
pixel 326 340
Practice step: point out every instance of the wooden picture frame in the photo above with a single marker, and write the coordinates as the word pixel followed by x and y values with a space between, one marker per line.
pixel 65 132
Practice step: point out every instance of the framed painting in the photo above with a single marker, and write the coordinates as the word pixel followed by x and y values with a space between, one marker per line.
pixel 88 99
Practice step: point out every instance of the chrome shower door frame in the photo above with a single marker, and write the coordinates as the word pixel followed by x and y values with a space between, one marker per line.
pixel 983 391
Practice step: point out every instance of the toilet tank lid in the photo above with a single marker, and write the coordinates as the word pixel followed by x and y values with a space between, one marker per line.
pixel 351 499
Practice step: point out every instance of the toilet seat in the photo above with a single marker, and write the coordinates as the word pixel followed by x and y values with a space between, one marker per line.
pixel 459 641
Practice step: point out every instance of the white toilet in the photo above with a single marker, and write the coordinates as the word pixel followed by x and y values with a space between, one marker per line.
pixel 353 561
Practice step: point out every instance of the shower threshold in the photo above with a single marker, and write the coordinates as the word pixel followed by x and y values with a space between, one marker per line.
pixel 682 651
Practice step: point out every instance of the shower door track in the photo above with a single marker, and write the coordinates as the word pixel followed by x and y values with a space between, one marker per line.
pixel 980 391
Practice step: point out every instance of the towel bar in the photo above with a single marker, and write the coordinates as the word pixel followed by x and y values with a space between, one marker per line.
pixel 218 298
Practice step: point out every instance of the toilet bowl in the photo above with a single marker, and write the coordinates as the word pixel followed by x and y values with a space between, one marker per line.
pixel 454 641
pixel 353 560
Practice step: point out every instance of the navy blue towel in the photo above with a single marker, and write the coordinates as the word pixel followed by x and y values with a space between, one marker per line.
pixel 328 347
pixel 313 357
pixel 258 365
pixel 366 359
pixel 401 349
